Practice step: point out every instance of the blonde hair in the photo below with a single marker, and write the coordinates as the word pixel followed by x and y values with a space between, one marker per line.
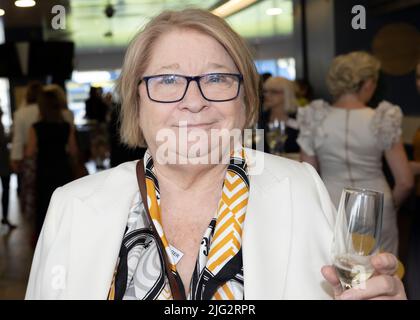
pixel 140 50
pixel 348 72
pixel 288 89
pixel 50 106
pixel 59 93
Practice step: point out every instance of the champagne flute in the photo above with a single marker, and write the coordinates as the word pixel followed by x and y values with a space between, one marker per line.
pixel 282 137
pixel 276 136
pixel 357 235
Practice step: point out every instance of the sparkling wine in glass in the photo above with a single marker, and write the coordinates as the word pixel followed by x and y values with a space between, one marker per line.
pixel 276 136
pixel 282 137
pixel 357 235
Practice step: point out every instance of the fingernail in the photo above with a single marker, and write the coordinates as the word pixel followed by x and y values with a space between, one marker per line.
pixel 380 260
pixel 383 260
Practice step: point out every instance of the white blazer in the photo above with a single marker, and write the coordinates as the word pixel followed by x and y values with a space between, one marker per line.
pixel 287 234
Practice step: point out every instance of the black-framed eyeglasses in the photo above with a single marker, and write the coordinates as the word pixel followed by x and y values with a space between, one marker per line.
pixel 216 87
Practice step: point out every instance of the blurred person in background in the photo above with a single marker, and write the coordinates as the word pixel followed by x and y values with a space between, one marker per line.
pixel 5 172
pixel 345 141
pixel 97 108
pixel 303 92
pixel 51 141
pixel 280 107
pixel 23 119
pixel 262 78
pixel 62 98
pixel 118 151
pixel 412 278
pixel 109 101
pixel 78 167
pixel 416 140
pixel 265 76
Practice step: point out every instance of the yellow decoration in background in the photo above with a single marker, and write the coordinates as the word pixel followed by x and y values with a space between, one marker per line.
pixel 364 244
pixel 397 46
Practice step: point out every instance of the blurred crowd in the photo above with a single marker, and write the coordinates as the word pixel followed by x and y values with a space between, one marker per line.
pixel 46 150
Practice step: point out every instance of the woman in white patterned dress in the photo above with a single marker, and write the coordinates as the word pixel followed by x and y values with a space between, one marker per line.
pixel 347 140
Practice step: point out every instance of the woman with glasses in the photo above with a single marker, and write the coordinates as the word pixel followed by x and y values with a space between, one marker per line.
pixel 200 217
pixel 280 108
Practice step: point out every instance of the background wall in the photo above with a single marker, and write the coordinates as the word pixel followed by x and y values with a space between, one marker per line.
pixel 399 89
pixel 320 42
pixel 99 60
pixel 322 30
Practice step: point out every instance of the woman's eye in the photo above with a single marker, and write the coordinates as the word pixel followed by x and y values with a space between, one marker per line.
pixel 216 78
pixel 168 80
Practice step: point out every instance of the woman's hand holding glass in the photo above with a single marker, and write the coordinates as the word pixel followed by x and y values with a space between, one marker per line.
pixel 383 285
pixel 359 271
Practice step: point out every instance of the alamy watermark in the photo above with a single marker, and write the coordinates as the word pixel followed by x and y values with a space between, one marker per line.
pixel 58 22
pixel 196 146
pixel 58 279
pixel 359 20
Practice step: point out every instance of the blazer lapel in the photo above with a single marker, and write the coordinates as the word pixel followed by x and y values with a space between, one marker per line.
pixel 267 237
pixel 94 250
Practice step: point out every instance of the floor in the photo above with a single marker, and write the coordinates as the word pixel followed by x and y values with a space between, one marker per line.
pixel 17 247
pixel 16 251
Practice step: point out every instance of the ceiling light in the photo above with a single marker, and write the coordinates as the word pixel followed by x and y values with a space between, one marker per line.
pixel 25 3
pixel 2 12
pixel 274 11
pixel 231 7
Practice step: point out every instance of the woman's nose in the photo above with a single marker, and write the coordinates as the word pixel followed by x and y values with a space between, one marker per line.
pixel 193 99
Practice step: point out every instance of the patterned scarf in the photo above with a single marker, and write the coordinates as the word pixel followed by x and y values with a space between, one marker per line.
pixel 218 274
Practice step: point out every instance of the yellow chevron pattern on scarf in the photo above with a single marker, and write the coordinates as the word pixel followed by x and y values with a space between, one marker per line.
pixel 227 238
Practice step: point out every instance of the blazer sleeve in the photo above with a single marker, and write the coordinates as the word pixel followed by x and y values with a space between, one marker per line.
pixel 325 222
pixel 313 225
pixel 44 278
pixel 328 209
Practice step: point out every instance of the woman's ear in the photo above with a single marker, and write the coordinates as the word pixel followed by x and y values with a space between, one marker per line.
pixel 370 84
pixel 365 86
pixel 367 90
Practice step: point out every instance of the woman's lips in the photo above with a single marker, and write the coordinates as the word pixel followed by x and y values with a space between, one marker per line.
pixel 196 125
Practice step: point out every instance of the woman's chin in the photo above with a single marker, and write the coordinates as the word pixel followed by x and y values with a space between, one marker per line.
pixel 194 155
